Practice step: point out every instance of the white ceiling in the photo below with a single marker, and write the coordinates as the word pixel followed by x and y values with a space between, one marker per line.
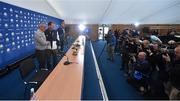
pixel 107 11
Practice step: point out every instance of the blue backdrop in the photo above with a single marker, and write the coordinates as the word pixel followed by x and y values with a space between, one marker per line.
pixel 17 28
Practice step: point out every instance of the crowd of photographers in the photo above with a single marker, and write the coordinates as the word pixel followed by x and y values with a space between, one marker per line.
pixel 151 66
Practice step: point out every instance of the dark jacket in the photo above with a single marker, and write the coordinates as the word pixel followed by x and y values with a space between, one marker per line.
pixel 111 39
pixel 142 69
pixel 61 33
pixel 132 48
pixel 51 36
pixel 175 74
pixel 157 60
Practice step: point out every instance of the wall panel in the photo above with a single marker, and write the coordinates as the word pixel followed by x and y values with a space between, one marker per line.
pixel 17 28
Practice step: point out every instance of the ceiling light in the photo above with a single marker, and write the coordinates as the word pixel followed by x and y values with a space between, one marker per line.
pixel 81 27
pixel 136 24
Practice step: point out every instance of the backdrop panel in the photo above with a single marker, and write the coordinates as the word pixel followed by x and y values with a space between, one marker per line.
pixel 17 28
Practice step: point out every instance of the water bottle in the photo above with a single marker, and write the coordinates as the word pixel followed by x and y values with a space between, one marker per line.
pixel 32 97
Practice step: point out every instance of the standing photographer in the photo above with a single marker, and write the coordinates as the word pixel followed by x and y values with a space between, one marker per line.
pixel 111 42
pixel 175 76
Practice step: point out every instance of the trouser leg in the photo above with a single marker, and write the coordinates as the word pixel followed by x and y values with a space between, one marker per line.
pixel 48 58
pixel 111 52
pixel 54 56
pixel 108 51
pixel 40 54
pixel 125 62
pixel 62 45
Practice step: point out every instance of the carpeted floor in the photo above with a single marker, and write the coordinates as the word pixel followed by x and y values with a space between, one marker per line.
pixel 116 86
pixel 91 88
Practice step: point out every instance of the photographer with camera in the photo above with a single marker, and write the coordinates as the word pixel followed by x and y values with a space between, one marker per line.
pixel 111 42
pixel 174 76
pixel 125 53
pixel 159 59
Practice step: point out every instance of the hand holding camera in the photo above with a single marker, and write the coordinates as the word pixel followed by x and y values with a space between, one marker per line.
pixel 166 57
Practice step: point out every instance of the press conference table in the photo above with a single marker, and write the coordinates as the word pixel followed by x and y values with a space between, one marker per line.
pixel 65 81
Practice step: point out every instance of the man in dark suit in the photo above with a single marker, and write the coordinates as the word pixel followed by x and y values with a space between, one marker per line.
pixel 61 33
pixel 52 38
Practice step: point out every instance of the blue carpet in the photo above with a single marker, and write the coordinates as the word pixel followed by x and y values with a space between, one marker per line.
pixel 12 87
pixel 115 83
pixel 91 88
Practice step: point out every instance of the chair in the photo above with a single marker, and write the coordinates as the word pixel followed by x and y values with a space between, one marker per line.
pixel 3 72
pixel 26 68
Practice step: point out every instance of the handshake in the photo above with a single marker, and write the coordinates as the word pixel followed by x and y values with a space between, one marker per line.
pixel 47 43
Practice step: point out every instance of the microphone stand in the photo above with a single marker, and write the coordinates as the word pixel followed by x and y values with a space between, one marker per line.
pixel 67 62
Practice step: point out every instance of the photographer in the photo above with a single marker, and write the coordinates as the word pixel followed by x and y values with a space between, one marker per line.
pixel 175 76
pixel 132 53
pixel 145 47
pixel 125 53
pixel 159 59
pixel 111 42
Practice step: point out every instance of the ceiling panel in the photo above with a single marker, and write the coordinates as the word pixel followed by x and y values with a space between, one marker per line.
pixel 139 11
pixel 80 11
pixel 107 11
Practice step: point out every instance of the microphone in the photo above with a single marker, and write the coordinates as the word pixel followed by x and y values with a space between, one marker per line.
pixel 67 62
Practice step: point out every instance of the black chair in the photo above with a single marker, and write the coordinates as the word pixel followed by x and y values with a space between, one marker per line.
pixel 3 72
pixel 26 68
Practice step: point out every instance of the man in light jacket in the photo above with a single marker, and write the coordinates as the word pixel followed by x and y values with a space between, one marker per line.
pixel 41 45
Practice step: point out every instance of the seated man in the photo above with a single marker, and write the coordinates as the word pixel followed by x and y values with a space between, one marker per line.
pixel 141 73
